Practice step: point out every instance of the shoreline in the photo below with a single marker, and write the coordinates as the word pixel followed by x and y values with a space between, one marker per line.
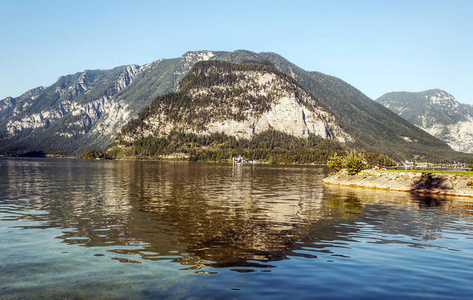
pixel 413 182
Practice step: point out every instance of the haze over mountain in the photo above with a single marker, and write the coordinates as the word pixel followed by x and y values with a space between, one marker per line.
pixel 438 113
pixel 87 109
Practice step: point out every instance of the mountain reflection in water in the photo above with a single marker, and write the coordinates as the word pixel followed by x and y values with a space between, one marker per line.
pixel 242 217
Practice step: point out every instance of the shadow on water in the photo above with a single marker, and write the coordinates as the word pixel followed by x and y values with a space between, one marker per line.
pixel 204 215
pixel 426 201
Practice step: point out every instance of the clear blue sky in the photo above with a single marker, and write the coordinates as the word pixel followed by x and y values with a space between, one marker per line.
pixel 377 46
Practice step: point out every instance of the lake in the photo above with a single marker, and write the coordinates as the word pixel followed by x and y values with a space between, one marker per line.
pixel 136 229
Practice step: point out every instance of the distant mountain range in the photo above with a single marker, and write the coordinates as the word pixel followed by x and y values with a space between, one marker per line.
pixel 436 112
pixel 87 110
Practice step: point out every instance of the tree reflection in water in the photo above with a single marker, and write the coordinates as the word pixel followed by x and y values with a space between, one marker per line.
pixel 212 215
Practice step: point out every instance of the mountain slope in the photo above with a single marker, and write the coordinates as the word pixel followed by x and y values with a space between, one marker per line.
pixel 374 127
pixel 87 109
pixel 242 101
pixel 62 116
pixel 438 113
pixel 91 117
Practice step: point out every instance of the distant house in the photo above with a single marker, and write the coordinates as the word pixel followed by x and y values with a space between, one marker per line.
pixel 408 164
pixel 237 159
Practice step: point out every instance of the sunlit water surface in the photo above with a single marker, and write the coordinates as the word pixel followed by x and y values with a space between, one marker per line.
pixel 129 229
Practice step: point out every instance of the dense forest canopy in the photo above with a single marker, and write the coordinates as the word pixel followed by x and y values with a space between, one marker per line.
pixel 270 146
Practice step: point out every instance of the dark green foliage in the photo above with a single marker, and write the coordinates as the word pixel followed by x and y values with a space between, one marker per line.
pixel 336 162
pixel 272 146
pixel 380 160
pixel 261 62
pixel 33 154
pixel 354 161
pixel 93 154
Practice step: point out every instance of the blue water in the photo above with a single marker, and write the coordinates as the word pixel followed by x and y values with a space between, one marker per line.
pixel 124 229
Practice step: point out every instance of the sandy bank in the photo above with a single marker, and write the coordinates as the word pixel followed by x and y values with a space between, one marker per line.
pixel 427 183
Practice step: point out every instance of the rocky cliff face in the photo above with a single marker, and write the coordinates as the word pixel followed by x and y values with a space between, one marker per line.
pixel 240 100
pixel 438 113
pixel 83 110
pixel 86 110
pixel 75 100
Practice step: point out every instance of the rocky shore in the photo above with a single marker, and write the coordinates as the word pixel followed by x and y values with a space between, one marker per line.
pixel 415 182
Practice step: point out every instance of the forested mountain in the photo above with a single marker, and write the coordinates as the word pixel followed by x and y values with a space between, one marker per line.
pixel 436 112
pixel 86 110
pixel 220 106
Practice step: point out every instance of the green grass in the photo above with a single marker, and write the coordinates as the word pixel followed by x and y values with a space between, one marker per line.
pixel 433 171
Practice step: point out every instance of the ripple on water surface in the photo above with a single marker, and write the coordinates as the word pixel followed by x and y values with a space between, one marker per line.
pixel 74 228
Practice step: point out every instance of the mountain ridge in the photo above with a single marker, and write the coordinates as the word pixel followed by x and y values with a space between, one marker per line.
pixel 245 91
pixel 437 112
pixel 217 103
pixel 94 124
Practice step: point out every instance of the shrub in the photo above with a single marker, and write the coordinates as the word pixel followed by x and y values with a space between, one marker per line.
pixel 336 162
pixel 93 154
pixel 353 162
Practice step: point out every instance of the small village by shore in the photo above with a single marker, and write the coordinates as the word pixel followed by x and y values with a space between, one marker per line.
pixel 424 166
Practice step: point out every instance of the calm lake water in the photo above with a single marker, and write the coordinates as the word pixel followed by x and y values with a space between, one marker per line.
pixel 130 229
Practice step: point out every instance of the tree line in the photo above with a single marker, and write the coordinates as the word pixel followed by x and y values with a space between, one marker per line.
pixel 270 146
